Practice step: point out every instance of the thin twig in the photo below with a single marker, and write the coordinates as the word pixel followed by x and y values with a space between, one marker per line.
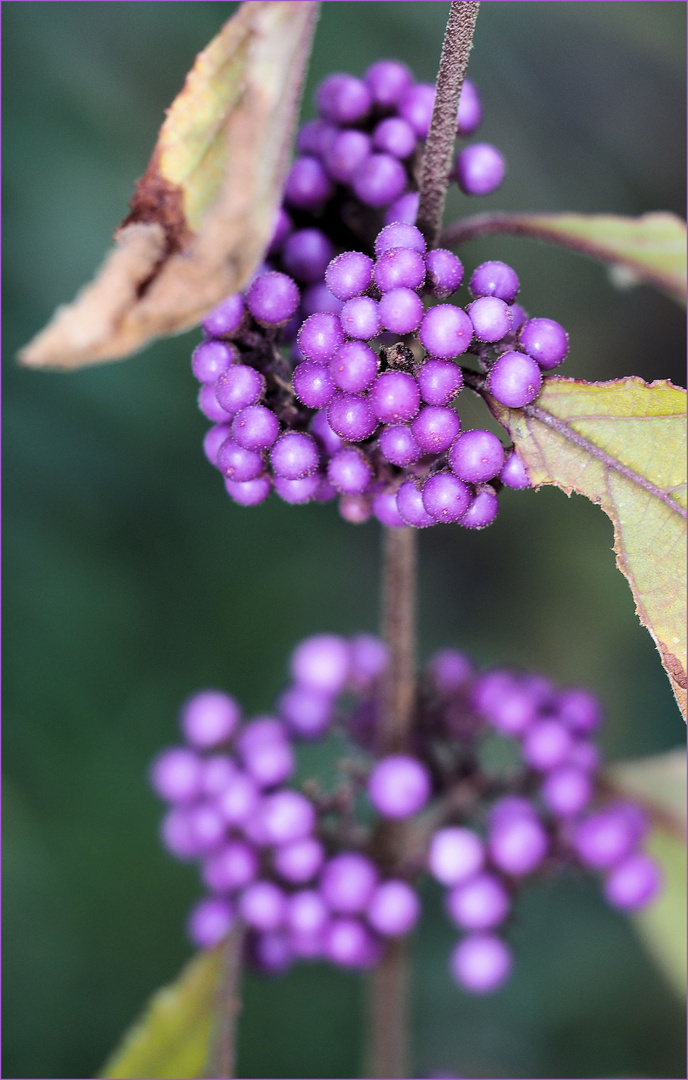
pixel 399 620
pixel 456 47
pixel 223 1051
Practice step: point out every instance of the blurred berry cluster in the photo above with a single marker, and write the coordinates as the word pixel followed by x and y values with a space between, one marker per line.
pixel 301 869
pixel 335 374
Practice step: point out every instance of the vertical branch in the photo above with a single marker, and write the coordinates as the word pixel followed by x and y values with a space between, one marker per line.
pixel 399 631
pixel 456 48
pixel 388 984
pixel 223 1048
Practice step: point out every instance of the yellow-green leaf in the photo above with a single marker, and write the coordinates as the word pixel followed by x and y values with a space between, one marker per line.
pixel 650 249
pixel 204 210
pixel 172 1038
pixel 659 782
pixel 623 445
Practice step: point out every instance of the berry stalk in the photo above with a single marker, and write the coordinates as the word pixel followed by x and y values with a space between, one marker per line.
pixel 456 47
pixel 223 1053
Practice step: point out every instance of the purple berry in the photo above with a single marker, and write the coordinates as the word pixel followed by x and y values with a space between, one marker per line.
pixel 271 952
pixel 323 433
pixel 398 445
pixel 345 156
pixel 446 331
pixel 394 397
pixel 297 492
pixel 604 839
pixel 322 663
pixel 545 340
pixel 410 506
pixel 308 186
pixel 567 790
pixel 404 210
pixel 238 464
pixel 349 274
pixel 210 406
pixel 210 921
pixel 435 428
pixel 491 318
pixel 379 180
pixel 306 254
pixel 350 472
pixel 262 905
pixel 265 752
pixel 227 318
pixel 513 473
pixel 482 511
pixel 444 273
pixel 347 882
pixel 209 718
pixel 395 136
pixel 232 867
pixel 449 670
pixel 294 455
pixel 456 854
pixel 306 912
pixel 343 99
pixel 286 816
pixel 394 909
pixel 299 861
pixel 360 318
pixel 387 80
pixel 356 509
pixel 238 802
pixel 480 169
pixel 351 417
pixel 515 380
pixel 317 298
pixel 476 456
pixel 399 786
pixel 283 227
pixel 469 113
pixel 354 367
pixel 494 279
pixel 176 775
pixel 579 710
pixel 416 105
pixel 306 712
pixel 518 845
pixel 399 268
pixel 217 773
pixel 206 827
pixel 239 387
pixel 385 510
pixel 440 381
pixel 546 745
pixel 320 336
pixel 273 298
pixel 633 883
pixel 255 428
pixel 349 944
pixel 400 310
pixel 481 963
pixel 445 497
pixel 313 384
pixel 368 660
pixel 213 440
pixel 210 359
pixel 249 492
pixel 315 137
pixel 480 903
pixel 399 234
pixel 509 808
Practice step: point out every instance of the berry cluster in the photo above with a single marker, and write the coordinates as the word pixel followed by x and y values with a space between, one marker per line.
pixel 331 376
pixel 300 870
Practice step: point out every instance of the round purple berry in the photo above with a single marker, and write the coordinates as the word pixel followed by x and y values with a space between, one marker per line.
pixel 262 905
pixel 403 210
pixel 387 80
pixel 513 473
pixel 399 786
pixel 445 497
pixel 394 909
pixel 345 156
pixel 399 267
pixel 210 718
pixel 380 180
pixel 299 491
pixel 394 397
pixel 456 854
pixel 482 511
pixel 306 254
pixel 633 883
pixel 343 99
pixel 227 318
pixel 294 455
pixel 176 775
pixel 435 428
pixel 395 136
pixel 299 861
pixel 360 318
pixel 351 417
pixel 416 105
pixel 313 384
pixel 349 274
pixel 440 381
pixel 210 921
pixel 446 331
pixel 517 845
pixel 385 510
pixel 469 113
pixel 210 359
pixel 354 367
pixel 481 963
pixel 480 169
pixel 545 340
pixel 514 380
pixel 476 456
pixel 239 387
pixel 450 670
pixel 491 318
pixel 322 663
pixel 400 310
pixel 273 298
pixel 286 816
pixel 347 882
pixel 494 278
pixel 444 272
pixel 308 186
pixel 249 492
pixel 349 471
pixel 210 406
pixel 320 336
pixel 255 428
pixel 410 506
pixel 398 445
pixel 567 790
pixel 239 464
pixel 399 234
pixel 232 867
pixel 480 903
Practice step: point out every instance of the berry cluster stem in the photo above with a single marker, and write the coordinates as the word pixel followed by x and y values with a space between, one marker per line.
pixel 223 1052
pixel 399 631
pixel 456 47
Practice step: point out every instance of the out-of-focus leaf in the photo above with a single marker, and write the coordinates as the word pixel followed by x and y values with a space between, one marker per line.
pixel 202 214
pixel 623 445
pixel 650 249
pixel 659 782
pixel 172 1038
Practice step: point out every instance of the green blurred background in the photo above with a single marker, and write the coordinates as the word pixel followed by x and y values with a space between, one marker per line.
pixel 131 580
